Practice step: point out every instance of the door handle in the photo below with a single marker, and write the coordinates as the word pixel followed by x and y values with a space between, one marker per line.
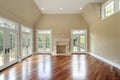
pixel 5 51
pixel 8 50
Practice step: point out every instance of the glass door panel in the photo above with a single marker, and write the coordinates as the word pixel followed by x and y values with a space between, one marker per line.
pixel 47 45
pixel 79 40
pixel 75 43
pixel 12 47
pixel 24 49
pixel 26 41
pixel 44 41
pixel 82 42
pixel 26 44
pixel 1 48
pixel 8 43
pixel 29 44
pixel 40 43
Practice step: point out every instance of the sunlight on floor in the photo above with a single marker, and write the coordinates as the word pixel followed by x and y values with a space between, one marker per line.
pixel 79 67
pixel 44 67
pixel 12 74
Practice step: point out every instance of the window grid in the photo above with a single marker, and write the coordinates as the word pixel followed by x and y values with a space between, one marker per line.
pixel 25 29
pixel 44 40
pixel 119 4
pixel 109 9
pixel 7 24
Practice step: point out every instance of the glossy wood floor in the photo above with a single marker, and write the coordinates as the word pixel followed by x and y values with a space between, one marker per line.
pixel 47 67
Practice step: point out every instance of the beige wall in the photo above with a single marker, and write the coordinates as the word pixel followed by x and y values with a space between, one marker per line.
pixel 104 34
pixel 21 11
pixel 61 25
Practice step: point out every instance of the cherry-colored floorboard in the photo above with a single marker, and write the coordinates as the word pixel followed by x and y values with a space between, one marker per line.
pixel 72 67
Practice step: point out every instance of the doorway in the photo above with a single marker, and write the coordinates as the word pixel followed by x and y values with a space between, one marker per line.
pixel 79 41
pixel 26 41
pixel 44 41
pixel 8 43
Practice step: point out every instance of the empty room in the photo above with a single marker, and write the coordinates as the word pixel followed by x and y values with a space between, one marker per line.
pixel 59 39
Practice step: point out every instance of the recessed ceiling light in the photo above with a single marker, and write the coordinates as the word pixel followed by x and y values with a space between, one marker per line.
pixel 42 8
pixel 61 8
pixel 80 8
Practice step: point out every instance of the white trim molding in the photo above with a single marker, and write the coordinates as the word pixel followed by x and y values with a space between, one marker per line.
pixel 105 60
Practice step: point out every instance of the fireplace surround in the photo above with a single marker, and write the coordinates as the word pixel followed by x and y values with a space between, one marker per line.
pixel 61 46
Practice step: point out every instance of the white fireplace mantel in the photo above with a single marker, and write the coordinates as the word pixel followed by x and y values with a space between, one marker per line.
pixel 62 41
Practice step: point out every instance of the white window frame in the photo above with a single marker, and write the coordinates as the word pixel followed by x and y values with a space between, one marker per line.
pixel 7 20
pixel 17 38
pixel 116 8
pixel 31 33
pixel 50 40
pixel 79 34
pixel 119 4
pixel 106 4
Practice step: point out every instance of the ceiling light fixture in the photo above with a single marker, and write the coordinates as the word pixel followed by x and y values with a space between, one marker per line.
pixel 80 8
pixel 61 8
pixel 42 8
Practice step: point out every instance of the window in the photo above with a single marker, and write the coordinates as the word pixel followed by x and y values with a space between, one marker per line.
pixel 8 43
pixel 79 40
pixel 44 41
pixel 7 24
pixel 25 29
pixel 26 41
pixel 119 4
pixel 109 9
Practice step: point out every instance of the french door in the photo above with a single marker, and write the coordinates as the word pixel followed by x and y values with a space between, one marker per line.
pixel 26 42
pixel 79 41
pixel 8 47
pixel 44 42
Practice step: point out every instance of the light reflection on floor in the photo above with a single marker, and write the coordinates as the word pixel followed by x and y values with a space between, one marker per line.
pixel 12 74
pixel 44 67
pixel 2 77
pixel 26 69
pixel 79 67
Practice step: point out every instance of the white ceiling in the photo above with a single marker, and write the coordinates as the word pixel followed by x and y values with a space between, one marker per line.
pixel 69 6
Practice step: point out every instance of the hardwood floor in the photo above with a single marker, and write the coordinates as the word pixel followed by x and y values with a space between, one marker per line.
pixel 47 67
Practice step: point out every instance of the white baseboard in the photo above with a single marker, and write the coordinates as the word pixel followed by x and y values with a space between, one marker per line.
pixel 106 60
pixel 61 54
pixel 79 52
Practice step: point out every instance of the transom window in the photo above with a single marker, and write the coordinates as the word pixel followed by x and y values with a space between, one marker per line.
pixel 7 24
pixel 44 32
pixel 119 4
pixel 109 9
pixel 25 29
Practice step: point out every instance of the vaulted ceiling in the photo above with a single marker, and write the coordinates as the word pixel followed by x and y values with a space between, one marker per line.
pixel 28 12
pixel 62 6
pixel 23 11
